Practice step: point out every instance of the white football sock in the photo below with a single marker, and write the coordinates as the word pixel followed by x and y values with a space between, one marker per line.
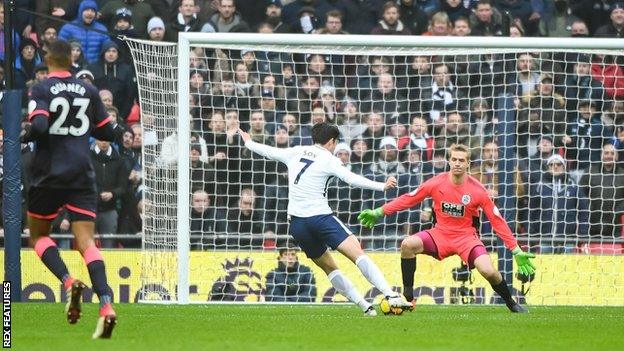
pixel 343 285
pixel 374 276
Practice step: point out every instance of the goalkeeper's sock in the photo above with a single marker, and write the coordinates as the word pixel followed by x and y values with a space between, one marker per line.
pixel 408 268
pixel 502 290
pixel 97 272
pixel 374 276
pixel 49 254
pixel 344 286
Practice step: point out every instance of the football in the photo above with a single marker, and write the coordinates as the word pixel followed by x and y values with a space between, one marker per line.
pixel 384 306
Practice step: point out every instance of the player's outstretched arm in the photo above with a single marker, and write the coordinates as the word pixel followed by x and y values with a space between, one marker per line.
pixel 523 260
pixel 267 151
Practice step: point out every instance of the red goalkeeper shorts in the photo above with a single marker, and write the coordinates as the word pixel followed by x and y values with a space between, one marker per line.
pixel 441 245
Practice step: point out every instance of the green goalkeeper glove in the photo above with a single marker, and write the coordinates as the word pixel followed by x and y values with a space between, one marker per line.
pixel 368 218
pixel 525 266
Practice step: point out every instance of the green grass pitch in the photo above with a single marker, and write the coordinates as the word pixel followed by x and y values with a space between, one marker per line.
pixel 38 326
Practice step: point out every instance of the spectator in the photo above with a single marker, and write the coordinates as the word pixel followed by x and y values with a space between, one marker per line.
pixel 524 80
pixel 418 77
pixel 593 12
pixel 368 72
pixel 187 20
pixel 457 131
pixel 106 96
pixel 584 138
pixel 429 6
pixel 58 9
pixel 482 123
pixel 252 11
pixel 26 63
pixel 292 12
pixel 276 189
pixel 605 70
pixel 139 12
pixel 78 60
pixel 580 85
pixel 388 100
pixel 528 12
pixel 440 25
pixel 516 29
pixel 550 106
pixel 420 138
pixel 361 157
pixel 245 221
pixel 386 164
pixel 116 76
pixel 273 17
pixel 111 182
pixel 535 163
pixel 487 172
pixel 290 281
pixel 247 85
pixel 156 29
pixel 442 95
pixel 390 24
pixel 413 16
pixel 92 41
pixel 46 36
pixel 298 134
pixel 615 27
pixel 375 130
pixel 320 66
pixel 455 9
pixel 16 36
pixel 329 104
pixel 227 20
pixel 604 185
pixel 122 26
pixel 350 122
pixel 304 98
pixel 308 22
pixel 346 201
pixel 578 29
pixel 486 20
pixel 206 222
pixel 258 130
pixel 86 76
pixel 557 209
pixel 487 76
pixel 461 28
pixel 333 23
pixel 360 16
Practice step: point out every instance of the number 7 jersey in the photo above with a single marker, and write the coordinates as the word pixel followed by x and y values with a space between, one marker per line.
pixel 74 110
pixel 310 169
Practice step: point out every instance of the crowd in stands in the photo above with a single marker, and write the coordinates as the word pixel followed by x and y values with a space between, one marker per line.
pixel 397 114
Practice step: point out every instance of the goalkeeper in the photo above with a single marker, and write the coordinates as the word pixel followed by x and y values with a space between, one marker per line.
pixel 457 198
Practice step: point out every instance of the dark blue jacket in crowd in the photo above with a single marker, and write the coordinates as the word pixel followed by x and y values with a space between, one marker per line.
pixel 90 40
pixel 558 208
pixel 296 284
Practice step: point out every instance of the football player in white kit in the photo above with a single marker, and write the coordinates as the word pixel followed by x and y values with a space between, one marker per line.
pixel 312 223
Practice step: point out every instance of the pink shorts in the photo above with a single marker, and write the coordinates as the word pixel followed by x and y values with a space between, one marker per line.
pixel 440 245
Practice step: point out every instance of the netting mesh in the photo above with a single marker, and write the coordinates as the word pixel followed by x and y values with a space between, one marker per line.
pixel 544 128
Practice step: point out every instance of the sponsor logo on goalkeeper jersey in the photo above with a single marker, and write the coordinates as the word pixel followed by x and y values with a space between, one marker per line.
pixel 454 210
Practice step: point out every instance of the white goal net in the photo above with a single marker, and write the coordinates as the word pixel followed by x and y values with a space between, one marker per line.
pixel 543 118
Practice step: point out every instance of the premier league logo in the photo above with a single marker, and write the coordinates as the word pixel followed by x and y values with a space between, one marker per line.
pixel 465 199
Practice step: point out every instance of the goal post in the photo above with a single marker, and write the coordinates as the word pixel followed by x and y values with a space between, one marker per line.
pixel 183 264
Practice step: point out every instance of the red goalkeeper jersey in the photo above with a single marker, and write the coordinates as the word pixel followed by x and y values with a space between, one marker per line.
pixel 455 206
